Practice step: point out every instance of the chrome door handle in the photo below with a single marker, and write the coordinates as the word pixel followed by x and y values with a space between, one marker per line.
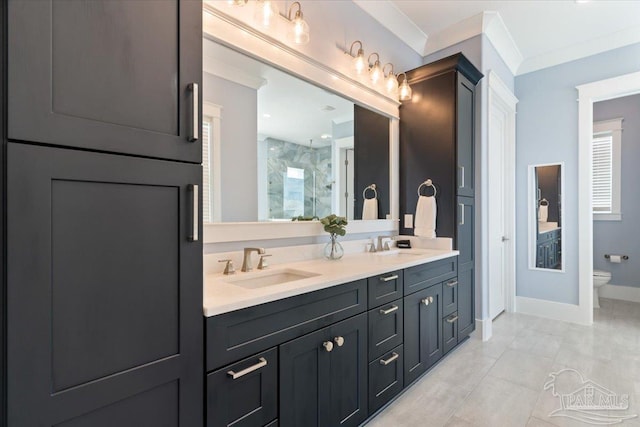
pixel 389 278
pixel 393 357
pixel 389 310
pixel 195 105
pixel 339 341
pixel 235 375
pixel 504 239
pixel 328 346
pixel 193 188
pixel 452 319
pixel 452 283
pixel 461 222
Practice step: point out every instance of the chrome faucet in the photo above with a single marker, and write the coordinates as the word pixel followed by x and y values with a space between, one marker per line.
pixel 246 262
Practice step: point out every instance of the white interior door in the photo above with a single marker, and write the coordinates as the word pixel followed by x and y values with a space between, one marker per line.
pixel 501 197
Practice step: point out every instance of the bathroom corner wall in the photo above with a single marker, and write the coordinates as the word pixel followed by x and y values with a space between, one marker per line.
pixel 618 237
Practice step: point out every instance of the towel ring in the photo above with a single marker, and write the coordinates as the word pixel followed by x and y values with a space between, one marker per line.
pixel 372 187
pixel 545 201
pixel 427 183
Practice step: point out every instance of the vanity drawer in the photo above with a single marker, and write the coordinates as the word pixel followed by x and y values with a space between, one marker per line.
pixel 450 296
pixel 249 399
pixel 449 332
pixel 384 288
pixel 385 378
pixel 425 275
pixel 385 328
pixel 232 336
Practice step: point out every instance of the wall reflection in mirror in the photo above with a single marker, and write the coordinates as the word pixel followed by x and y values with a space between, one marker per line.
pixel 546 199
pixel 279 147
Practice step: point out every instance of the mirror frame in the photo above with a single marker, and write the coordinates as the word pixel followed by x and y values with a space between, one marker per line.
pixel 231 31
pixel 532 216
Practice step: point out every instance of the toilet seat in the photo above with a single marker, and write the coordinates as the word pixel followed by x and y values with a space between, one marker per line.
pixel 601 273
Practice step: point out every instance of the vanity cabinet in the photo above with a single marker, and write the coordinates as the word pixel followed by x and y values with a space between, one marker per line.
pixel 112 76
pixel 323 376
pixel 549 249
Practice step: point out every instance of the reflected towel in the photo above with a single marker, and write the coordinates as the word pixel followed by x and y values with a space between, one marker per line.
pixel 426 212
pixel 370 209
pixel 543 213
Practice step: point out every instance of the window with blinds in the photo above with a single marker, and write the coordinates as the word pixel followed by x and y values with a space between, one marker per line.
pixel 207 124
pixel 602 147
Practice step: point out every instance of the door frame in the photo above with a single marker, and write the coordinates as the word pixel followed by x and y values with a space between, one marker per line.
pixel 501 96
pixel 601 90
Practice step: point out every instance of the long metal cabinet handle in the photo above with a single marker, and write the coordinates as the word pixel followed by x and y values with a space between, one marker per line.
pixel 461 222
pixel 195 115
pixel 235 375
pixel 389 278
pixel 393 357
pixel 389 310
pixel 461 176
pixel 452 319
pixel 194 220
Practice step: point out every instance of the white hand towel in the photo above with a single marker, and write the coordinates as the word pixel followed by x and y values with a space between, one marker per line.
pixel 426 212
pixel 543 213
pixel 370 209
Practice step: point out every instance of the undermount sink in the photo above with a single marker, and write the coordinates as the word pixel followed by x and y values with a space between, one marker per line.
pixel 267 278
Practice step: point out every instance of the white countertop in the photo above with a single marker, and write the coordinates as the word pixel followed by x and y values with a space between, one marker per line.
pixel 222 296
pixel 545 227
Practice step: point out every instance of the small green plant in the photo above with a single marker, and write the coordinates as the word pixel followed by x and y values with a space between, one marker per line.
pixel 334 224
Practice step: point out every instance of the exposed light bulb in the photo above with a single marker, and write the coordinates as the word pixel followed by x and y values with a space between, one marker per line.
pixel 359 63
pixel 405 90
pixel 376 73
pixel 266 13
pixel 391 83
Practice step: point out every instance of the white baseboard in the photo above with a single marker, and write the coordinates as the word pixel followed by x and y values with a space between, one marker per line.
pixel 550 310
pixel 484 327
pixel 625 293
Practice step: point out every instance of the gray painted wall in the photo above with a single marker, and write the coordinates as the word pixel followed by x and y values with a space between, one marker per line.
pixel 547 132
pixel 614 237
pixel 239 129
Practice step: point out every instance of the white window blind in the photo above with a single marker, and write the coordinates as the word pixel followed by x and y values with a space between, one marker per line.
pixel 603 173
pixel 206 169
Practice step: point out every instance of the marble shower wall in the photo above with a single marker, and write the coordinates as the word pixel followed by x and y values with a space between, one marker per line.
pixel 313 198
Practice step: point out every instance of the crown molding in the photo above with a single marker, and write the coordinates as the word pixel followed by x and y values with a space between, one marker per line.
pixel 394 20
pixel 496 31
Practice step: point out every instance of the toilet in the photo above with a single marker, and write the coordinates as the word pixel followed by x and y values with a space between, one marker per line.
pixel 599 278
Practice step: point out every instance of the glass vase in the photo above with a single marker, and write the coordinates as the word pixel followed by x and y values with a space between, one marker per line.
pixel 333 250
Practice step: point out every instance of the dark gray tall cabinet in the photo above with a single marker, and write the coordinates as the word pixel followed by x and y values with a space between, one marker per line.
pixel 437 133
pixel 101 177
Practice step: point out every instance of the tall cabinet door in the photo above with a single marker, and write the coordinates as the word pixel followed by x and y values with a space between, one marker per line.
pixel 107 75
pixel 465 113
pixel 104 290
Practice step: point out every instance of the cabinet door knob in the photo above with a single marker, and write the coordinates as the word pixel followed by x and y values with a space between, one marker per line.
pixel 425 301
pixel 339 341
pixel 328 346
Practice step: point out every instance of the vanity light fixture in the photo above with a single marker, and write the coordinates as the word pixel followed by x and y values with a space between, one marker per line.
pixel 237 2
pixel 375 72
pixel 266 13
pixel 298 32
pixel 358 61
pixel 391 81
pixel 404 90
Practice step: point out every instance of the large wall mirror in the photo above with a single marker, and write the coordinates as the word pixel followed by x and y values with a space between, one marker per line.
pixel 545 216
pixel 277 147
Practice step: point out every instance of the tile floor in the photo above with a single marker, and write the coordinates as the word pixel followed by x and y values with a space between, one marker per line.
pixel 501 382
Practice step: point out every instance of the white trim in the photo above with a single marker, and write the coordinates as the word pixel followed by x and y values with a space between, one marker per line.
pixel 496 30
pixel 246 231
pixel 394 168
pixel 624 293
pixel 532 217
pixel 607 217
pixel 500 94
pixel 614 128
pixel 215 112
pixel 393 19
pixel 484 328
pixel 615 87
pixel 551 310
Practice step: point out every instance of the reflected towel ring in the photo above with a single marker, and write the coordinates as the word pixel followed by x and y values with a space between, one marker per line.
pixel 545 201
pixel 372 187
pixel 427 183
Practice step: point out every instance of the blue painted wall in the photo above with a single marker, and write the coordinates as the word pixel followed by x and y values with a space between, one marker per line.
pixel 547 132
pixel 614 237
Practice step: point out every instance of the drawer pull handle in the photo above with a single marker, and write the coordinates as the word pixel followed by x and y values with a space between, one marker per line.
pixel 427 300
pixel 452 319
pixel 235 375
pixel 393 357
pixel 328 346
pixel 389 278
pixel 452 283
pixel 339 341
pixel 389 310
